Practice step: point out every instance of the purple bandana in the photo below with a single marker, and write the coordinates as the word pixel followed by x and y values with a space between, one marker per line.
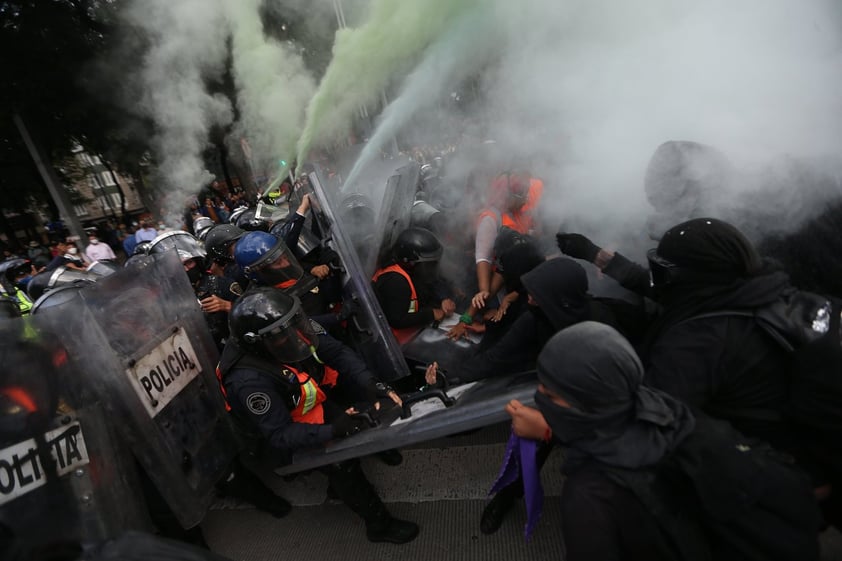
pixel 519 461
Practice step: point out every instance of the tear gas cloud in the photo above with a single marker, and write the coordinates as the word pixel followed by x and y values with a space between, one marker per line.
pixel 367 57
pixel 584 92
pixel 581 92
pixel 188 49
pixel 273 87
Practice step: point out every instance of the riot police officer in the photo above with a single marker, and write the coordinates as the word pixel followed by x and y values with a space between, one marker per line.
pixel 297 387
pixel 215 293
pixel 267 261
pixel 219 245
pixel 406 288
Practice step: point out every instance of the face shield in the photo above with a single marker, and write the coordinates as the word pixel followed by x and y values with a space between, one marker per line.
pixel 279 268
pixel 289 339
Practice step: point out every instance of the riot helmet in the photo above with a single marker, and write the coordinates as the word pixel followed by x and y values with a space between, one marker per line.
pixel 142 248
pixel 219 240
pixel 267 260
pixel 14 268
pixel 249 221
pixel 271 323
pixel 417 245
pixel 201 227
pixel 187 246
pixel 702 251
pixel 235 214
pixel 418 251
pixel 60 276
pixel 59 296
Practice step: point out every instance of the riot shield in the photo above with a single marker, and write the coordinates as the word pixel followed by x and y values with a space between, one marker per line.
pixel 149 359
pixel 441 413
pixel 376 342
pixel 64 473
pixel 60 276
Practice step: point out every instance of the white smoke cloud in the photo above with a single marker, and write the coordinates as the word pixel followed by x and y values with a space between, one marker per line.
pixel 273 87
pixel 187 48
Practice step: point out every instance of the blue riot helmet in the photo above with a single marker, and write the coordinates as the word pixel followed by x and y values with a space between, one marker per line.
pixel 267 260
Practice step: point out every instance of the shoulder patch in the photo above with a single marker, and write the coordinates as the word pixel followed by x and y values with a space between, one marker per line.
pixel 258 403
pixel 317 328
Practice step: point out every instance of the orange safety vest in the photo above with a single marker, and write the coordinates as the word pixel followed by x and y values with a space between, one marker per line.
pixel 404 334
pixel 520 221
pixel 308 408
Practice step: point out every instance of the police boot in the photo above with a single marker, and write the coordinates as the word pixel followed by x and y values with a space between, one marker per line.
pixel 496 510
pixel 350 484
pixel 243 484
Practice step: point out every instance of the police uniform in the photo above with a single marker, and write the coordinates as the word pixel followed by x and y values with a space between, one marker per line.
pixel 225 288
pixel 290 406
pixel 280 401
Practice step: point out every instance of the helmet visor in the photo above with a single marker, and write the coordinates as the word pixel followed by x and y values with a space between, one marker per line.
pixel 280 269
pixel 291 338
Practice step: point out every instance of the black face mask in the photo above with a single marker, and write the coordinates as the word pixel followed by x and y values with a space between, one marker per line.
pixel 194 274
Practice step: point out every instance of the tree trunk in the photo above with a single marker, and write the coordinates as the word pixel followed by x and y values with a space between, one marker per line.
pixel 119 187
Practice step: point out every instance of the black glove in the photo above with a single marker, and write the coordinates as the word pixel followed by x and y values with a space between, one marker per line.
pixel 376 390
pixel 578 246
pixel 345 425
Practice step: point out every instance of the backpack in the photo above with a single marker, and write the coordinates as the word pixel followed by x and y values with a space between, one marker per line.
pixel 807 326
pixel 748 501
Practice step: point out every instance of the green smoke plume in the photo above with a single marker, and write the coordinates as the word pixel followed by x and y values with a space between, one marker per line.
pixel 367 57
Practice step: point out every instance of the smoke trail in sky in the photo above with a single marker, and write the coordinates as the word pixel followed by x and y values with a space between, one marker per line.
pixel 273 88
pixel 366 58
pixel 467 43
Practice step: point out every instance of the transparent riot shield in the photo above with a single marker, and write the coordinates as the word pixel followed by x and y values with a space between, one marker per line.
pixel 441 413
pixel 376 342
pixel 149 359
pixel 65 474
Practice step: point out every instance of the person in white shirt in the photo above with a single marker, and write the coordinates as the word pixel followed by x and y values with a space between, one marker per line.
pixel 98 251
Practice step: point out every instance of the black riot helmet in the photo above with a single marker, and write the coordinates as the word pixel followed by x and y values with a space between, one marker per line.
pixel 417 245
pixel 219 240
pixel 271 323
pixel 249 221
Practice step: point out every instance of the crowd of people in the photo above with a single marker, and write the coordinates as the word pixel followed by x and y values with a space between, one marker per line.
pixel 648 397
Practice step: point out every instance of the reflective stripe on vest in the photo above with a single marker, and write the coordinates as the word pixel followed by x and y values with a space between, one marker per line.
pixel 404 334
pixel 309 407
pixel 24 303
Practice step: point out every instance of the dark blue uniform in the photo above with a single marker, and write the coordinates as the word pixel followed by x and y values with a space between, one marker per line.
pixel 260 394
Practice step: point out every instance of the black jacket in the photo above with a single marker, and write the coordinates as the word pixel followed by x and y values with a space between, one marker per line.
pixel 728 366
